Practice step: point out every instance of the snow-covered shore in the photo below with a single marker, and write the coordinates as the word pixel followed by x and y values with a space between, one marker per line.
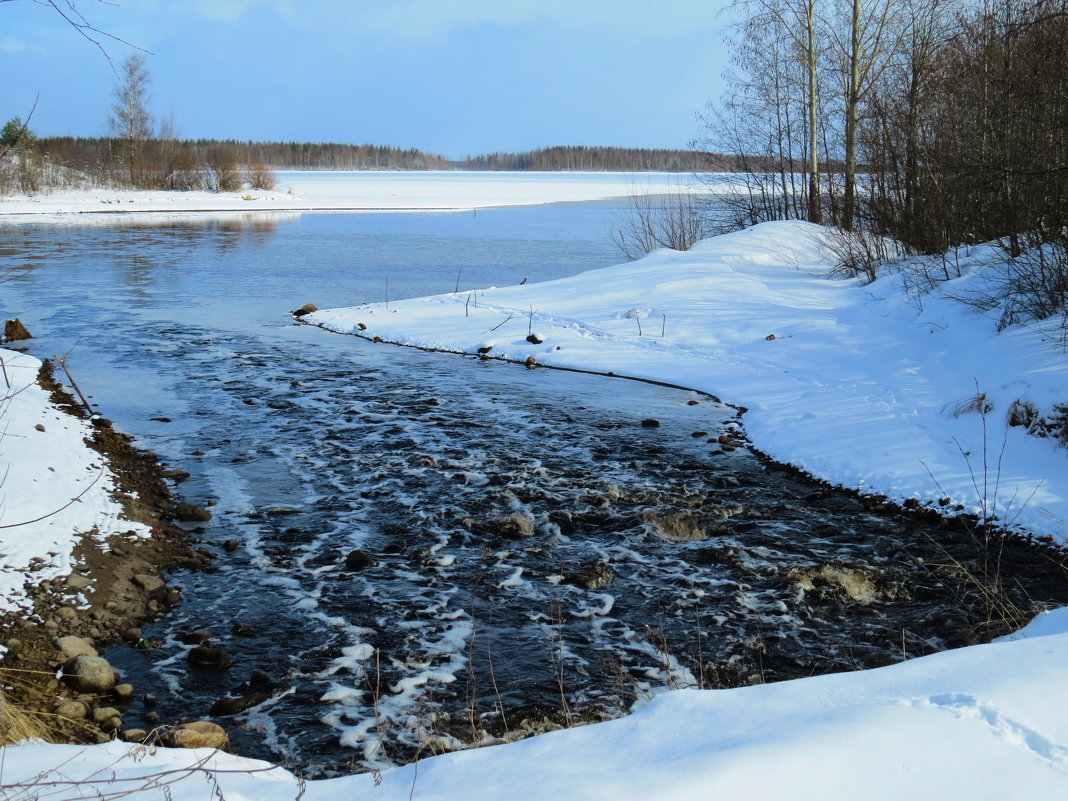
pixel 859 385
pixel 54 488
pixel 357 191
pixel 863 386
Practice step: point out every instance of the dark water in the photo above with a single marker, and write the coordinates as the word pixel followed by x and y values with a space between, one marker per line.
pixel 539 556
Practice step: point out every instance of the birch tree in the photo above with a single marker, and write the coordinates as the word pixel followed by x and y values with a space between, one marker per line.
pixel 130 120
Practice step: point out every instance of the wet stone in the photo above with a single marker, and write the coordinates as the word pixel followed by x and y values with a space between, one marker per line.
pixel 191 513
pixel 211 656
pixel 358 560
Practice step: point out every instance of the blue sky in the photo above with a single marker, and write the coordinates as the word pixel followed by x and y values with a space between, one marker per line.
pixel 455 77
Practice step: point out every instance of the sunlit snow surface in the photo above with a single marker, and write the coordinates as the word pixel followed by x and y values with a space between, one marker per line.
pixel 362 191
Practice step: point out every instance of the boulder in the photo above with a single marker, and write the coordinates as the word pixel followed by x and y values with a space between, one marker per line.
pixel 71 647
pixel 77 582
pixel 675 527
pixel 72 710
pixel 198 734
pixel 103 713
pixel 209 656
pixel 592 576
pixel 198 637
pixel 515 526
pixel 358 560
pixel 89 674
pixel 191 513
pixel 307 308
pixel 233 706
pixel 149 584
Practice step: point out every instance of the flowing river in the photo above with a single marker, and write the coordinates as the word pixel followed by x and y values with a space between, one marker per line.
pixel 534 551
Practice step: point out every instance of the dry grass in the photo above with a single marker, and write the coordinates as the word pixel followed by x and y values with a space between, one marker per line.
pixel 21 700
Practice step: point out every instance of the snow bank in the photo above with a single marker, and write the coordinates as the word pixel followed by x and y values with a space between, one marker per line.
pixel 986 722
pixel 361 191
pixel 53 488
pixel 858 385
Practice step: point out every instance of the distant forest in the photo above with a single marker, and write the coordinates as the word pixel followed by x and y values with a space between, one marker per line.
pixel 83 153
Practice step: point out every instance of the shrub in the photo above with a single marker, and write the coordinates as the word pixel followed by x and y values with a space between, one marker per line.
pixel 660 221
pixel 221 170
pixel 260 176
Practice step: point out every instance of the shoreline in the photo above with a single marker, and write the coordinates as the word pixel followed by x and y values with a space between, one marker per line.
pixel 114 588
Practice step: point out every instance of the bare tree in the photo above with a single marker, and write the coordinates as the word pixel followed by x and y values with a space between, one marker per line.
pixel 867 50
pixel 130 120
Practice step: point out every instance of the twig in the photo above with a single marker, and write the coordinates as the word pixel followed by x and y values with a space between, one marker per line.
pixel 62 360
pixel 72 501
pixel 510 316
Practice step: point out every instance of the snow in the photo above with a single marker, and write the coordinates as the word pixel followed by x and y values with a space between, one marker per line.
pixel 53 488
pixel 855 384
pixel 862 385
pixel 359 191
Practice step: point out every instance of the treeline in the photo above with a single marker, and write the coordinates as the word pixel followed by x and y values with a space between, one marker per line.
pixel 936 122
pixel 624 159
pixel 84 153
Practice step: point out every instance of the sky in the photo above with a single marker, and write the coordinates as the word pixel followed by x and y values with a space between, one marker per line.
pixel 456 77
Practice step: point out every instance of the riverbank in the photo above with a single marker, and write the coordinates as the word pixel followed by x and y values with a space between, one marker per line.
pixel 77 577
pixel 357 191
pixel 916 397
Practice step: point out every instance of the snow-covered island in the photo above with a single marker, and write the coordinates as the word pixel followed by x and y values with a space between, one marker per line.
pixel 870 386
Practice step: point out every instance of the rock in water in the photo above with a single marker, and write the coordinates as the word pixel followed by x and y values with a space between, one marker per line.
pixel 592 576
pixel 191 513
pixel 209 656
pixel 15 330
pixel 358 560
pixel 515 526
